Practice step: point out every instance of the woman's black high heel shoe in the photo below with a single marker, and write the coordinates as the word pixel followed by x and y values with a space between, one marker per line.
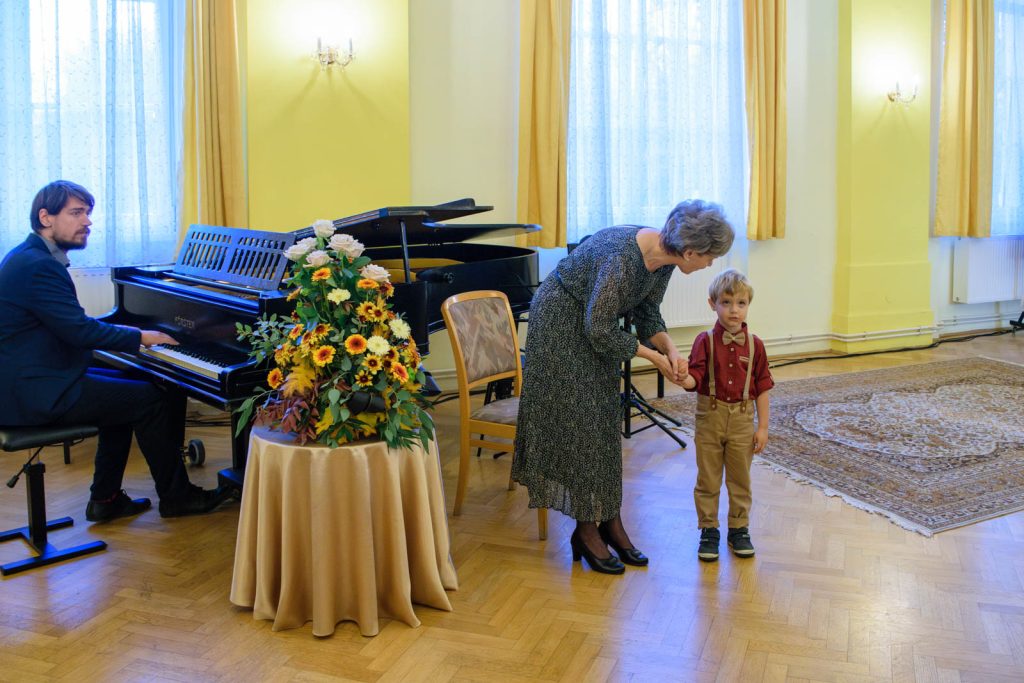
pixel 628 555
pixel 609 565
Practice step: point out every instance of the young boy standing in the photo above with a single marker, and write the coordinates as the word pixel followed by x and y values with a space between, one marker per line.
pixel 729 370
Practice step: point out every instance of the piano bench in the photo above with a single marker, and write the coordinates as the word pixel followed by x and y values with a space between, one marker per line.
pixel 35 533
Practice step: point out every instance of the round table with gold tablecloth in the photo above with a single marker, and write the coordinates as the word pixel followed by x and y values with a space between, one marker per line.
pixel 353 533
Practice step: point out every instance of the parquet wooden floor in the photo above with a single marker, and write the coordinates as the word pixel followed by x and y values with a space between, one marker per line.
pixel 834 593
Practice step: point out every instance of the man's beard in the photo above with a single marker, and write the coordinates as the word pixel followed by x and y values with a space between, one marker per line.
pixel 70 246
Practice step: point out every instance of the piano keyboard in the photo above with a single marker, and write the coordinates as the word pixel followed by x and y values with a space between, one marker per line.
pixel 183 357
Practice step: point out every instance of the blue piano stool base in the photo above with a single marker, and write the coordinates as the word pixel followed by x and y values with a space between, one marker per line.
pixel 35 533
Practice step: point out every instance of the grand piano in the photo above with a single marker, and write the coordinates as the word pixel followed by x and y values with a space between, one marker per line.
pixel 225 276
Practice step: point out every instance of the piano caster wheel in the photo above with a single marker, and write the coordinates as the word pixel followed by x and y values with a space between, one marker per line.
pixel 196 453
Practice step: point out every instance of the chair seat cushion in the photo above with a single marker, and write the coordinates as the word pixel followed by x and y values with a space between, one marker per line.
pixel 503 411
pixel 22 438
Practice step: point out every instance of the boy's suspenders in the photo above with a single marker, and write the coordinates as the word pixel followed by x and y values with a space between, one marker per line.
pixel 711 370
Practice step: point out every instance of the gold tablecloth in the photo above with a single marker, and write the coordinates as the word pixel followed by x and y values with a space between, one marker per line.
pixel 340 534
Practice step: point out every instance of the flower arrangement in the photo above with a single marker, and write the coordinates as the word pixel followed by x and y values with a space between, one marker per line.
pixel 344 366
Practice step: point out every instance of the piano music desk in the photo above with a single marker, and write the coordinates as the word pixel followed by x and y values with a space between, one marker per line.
pixel 353 533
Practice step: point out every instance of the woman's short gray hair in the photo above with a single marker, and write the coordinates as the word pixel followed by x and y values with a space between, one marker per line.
pixel 697 225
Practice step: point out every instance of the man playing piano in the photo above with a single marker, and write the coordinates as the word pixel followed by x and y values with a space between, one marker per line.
pixel 46 344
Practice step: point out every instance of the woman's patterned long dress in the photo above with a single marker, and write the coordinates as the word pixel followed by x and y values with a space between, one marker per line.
pixel 568 449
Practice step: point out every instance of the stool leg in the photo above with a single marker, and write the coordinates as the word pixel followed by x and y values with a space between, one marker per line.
pixel 67 450
pixel 36 505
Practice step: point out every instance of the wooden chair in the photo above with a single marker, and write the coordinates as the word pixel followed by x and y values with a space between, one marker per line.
pixel 486 349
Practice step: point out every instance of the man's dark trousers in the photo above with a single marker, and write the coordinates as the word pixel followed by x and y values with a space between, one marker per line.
pixel 119 406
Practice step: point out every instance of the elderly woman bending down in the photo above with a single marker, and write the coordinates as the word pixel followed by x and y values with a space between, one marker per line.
pixel 568 449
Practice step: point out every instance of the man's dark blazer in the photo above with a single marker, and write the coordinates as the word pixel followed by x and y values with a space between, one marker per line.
pixel 46 339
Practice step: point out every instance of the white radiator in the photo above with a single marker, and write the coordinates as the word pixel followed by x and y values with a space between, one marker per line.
pixel 988 269
pixel 95 289
pixel 686 299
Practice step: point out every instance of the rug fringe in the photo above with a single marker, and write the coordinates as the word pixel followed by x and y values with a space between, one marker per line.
pixel 849 500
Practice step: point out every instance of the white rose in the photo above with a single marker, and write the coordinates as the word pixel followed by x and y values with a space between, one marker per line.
pixel 377 345
pixel 298 250
pixel 317 258
pixel 323 228
pixel 375 273
pixel 400 328
pixel 347 245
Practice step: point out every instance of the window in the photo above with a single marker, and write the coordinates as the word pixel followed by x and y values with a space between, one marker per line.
pixel 1008 120
pixel 656 111
pixel 91 91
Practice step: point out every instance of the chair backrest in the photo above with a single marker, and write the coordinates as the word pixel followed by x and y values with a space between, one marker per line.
pixel 483 335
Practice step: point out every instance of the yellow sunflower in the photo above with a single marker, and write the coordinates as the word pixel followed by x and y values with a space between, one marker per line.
pixel 319 332
pixel 372 363
pixel 355 344
pixel 295 332
pixel 323 355
pixel 275 378
pixel 364 378
pixel 364 311
pixel 283 355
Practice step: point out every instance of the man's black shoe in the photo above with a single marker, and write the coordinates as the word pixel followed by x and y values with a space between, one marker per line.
pixel 119 506
pixel 739 541
pixel 196 501
pixel 707 551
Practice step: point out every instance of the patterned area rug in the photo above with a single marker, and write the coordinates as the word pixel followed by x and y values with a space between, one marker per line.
pixel 932 446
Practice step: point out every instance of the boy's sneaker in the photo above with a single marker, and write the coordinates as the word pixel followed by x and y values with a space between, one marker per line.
pixel 707 551
pixel 739 541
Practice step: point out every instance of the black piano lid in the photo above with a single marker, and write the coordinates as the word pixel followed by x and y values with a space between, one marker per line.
pixel 382 227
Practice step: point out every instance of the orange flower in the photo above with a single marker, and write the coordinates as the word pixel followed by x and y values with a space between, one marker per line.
pixel 372 363
pixel 323 355
pixel 321 274
pixel 392 354
pixel 355 344
pixel 294 294
pixel 387 289
pixel 295 332
pixel 399 372
pixel 275 378
pixel 367 283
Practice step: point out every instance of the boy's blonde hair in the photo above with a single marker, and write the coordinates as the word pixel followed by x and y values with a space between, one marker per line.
pixel 730 281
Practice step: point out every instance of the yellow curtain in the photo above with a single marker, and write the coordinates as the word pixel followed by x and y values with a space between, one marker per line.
pixel 764 55
pixel 963 195
pixel 215 189
pixel 543 118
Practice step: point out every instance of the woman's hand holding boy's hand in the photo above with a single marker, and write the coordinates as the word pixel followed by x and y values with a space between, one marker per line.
pixel 760 439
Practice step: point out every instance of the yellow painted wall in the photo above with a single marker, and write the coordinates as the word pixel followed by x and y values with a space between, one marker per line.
pixel 325 144
pixel 883 276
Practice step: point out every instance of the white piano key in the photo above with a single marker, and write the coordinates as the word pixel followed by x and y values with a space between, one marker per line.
pixel 170 355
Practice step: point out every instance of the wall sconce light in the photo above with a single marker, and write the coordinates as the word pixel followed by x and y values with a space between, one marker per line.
pixel 331 55
pixel 901 97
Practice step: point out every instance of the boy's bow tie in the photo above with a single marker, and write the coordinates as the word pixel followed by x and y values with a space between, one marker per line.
pixel 739 338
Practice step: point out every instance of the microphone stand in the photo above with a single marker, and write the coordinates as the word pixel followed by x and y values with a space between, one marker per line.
pixel 633 400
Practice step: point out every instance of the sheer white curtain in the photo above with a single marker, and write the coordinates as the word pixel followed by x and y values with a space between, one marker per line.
pixel 90 91
pixel 1008 120
pixel 656 111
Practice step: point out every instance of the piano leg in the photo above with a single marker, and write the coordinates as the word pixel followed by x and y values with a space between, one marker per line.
pixel 235 475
